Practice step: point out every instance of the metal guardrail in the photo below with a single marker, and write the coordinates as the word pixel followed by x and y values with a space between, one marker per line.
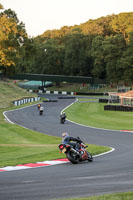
pixel 25 100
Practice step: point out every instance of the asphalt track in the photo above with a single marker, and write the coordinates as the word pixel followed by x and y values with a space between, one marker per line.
pixel 107 174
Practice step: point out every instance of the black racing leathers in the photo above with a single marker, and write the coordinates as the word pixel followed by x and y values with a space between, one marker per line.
pixel 68 139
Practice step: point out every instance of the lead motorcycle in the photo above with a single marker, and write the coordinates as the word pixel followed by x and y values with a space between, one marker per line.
pixel 76 156
pixel 41 111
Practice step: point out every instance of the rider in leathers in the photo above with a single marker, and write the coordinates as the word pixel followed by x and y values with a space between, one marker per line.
pixel 63 115
pixel 66 139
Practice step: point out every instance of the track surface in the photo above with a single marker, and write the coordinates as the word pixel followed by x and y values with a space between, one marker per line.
pixel 109 173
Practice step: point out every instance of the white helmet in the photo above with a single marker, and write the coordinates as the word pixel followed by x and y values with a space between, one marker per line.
pixel 65 134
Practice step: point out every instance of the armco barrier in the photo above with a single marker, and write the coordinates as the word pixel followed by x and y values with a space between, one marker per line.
pixel 59 92
pixel 118 108
pixel 109 100
pixel 66 97
pixel 52 92
pixel 103 100
pixel 69 93
pixel 91 93
pixel 50 100
pixel 25 100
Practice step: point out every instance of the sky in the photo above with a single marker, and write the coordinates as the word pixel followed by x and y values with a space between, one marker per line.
pixel 41 15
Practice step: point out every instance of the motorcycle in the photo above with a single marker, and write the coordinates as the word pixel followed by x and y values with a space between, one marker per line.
pixel 41 110
pixel 62 119
pixel 76 156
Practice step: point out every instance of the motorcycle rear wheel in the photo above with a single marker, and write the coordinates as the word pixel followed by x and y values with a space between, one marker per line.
pixel 61 121
pixel 72 157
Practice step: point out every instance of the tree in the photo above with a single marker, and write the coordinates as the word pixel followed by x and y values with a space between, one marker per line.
pixel 99 65
pixel 123 23
pixel 12 36
pixel 126 61
pixel 1 7
pixel 75 61
pixel 49 57
pixel 113 48
pixel 28 56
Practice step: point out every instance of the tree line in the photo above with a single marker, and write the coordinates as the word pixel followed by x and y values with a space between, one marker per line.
pixel 101 48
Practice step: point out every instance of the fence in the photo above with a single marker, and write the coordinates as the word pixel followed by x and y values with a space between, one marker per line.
pixel 25 100
pixel 118 108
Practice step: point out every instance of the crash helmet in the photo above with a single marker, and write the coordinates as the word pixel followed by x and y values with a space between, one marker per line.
pixel 64 134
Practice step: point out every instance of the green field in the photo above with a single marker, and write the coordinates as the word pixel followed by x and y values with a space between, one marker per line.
pixel 93 114
pixel 117 196
pixel 10 92
pixel 20 146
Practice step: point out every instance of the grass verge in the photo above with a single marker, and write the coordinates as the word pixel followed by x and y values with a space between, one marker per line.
pixel 93 114
pixel 116 196
pixel 20 146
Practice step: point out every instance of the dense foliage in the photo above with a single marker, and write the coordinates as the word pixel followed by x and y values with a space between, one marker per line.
pixel 102 48
pixel 12 36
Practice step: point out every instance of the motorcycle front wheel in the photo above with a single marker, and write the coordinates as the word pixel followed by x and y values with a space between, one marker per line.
pixel 72 157
pixel 90 158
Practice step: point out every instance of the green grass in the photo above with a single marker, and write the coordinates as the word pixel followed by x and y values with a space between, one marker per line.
pixel 27 154
pixel 117 196
pixel 9 92
pixel 93 114
pixel 20 146
pixel 87 99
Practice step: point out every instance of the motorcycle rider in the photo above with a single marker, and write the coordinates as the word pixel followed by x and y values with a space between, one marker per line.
pixel 38 106
pixel 41 109
pixel 66 139
pixel 63 115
